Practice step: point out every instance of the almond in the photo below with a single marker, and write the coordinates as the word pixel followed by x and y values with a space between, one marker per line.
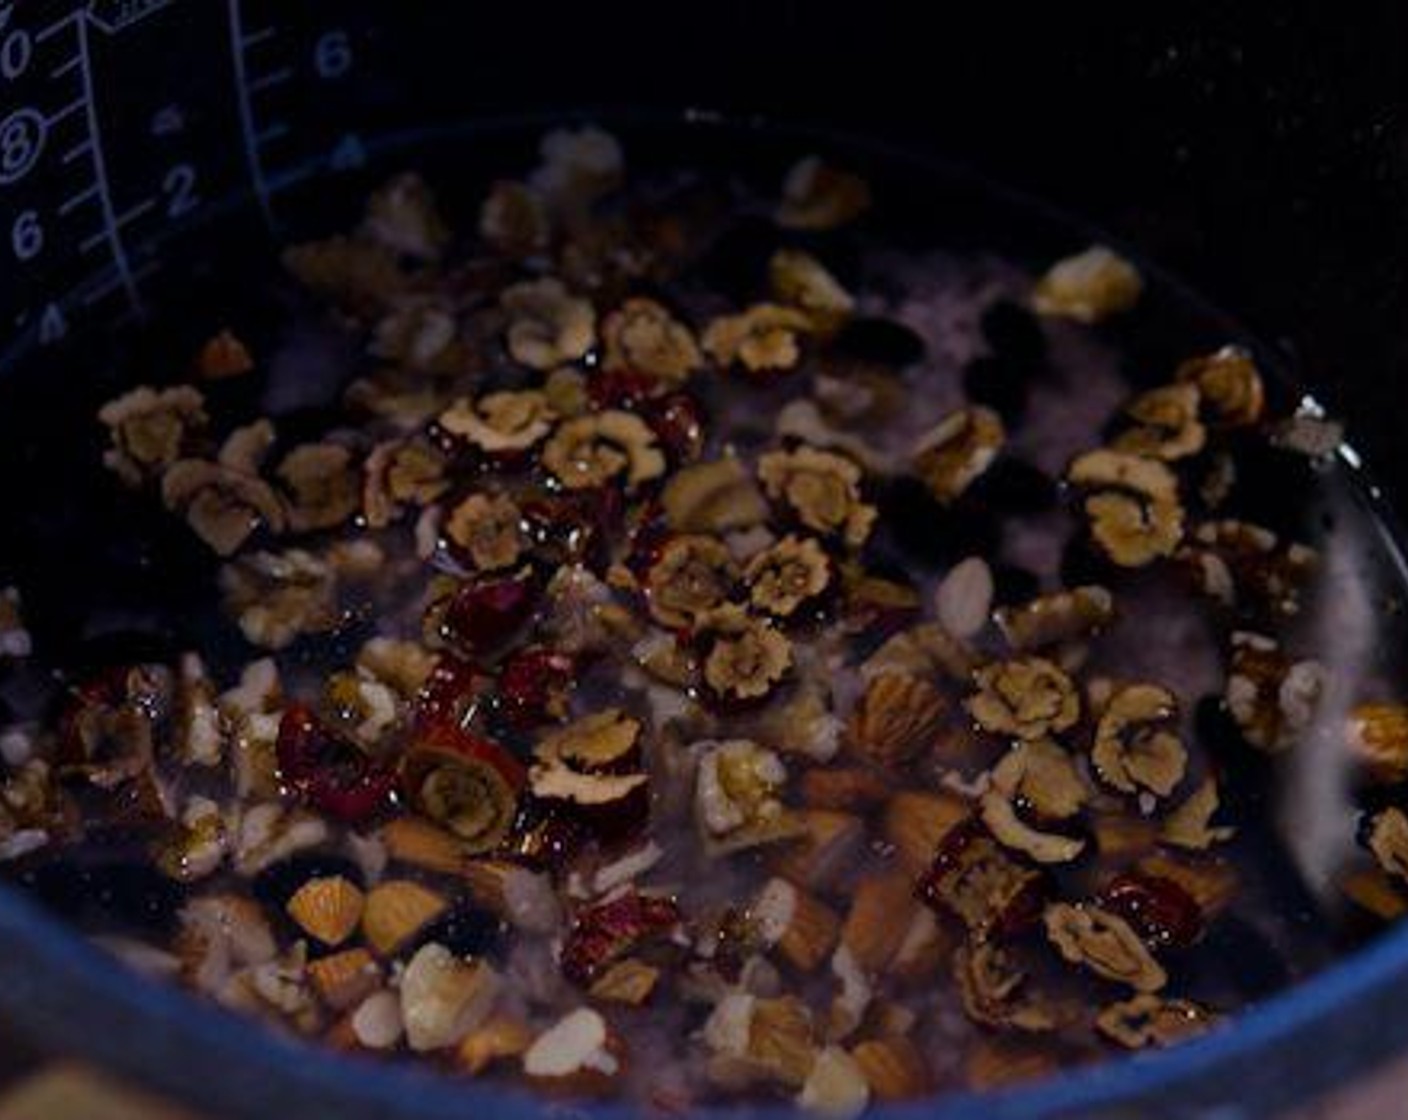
pixel 996 1062
pixel 895 720
pixel 629 981
pixel 342 980
pixel 801 927
pixel 1378 739
pixel 421 844
pixel 836 1085
pixel 1371 889
pixel 495 1040
pixel 878 920
pixel 846 788
pixel 828 843
pixel 781 1038
pixel 893 1067
pixel 916 824
pixel 925 946
pixel 521 897
pixel 328 909
pixel 444 997
pixel 396 911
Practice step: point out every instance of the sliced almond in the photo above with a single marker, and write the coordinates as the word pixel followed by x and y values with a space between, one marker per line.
pixel 828 843
pixel 803 928
pixel 879 917
pixel 396 910
pixel 342 980
pixel 328 909
pixel 376 1024
pixel 916 824
pixel 846 788
pixel 497 1039
pixel 422 844
pixel 629 981
pixel 893 1067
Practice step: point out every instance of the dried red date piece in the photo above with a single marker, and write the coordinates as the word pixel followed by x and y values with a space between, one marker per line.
pixel 535 685
pixel 980 884
pixel 328 772
pixel 609 930
pixel 467 784
pixel 1160 910
pixel 482 617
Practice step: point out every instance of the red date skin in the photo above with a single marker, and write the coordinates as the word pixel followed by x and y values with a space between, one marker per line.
pixel 534 687
pixel 329 773
pixel 1161 911
pixel 606 932
pixel 483 617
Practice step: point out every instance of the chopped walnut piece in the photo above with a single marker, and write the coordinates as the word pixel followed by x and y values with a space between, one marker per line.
pixel 1377 737
pixel 736 800
pixel 1166 424
pixel 917 823
pixel 402 473
pixel 1272 698
pixel 1134 750
pixel 818 196
pixel 747 656
pixel 223 506
pixel 799 279
pixel 547 324
pixel 641 336
pixel 1189 824
pixel 999 813
pixel 592 450
pixel 503 421
pixel 578 167
pixel 955 453
pixel 693 576
pixel 1041 775
pixel 1062 616
pixel 1236 561
pixel 199 846
pixel 1150 1020
pixel 405 666
pixel 358 274
pixel 420 334
pixel 784 576
pixel 1088 287
pixel 1028 697
pixel 895 719
pixel 991 986
pixel 151 429
pixel 403 217
pixel 762 339
pixel 488 528
pixel 717 496
pixel 821 489
pixel 1104 943
pixel 513 220
pixel 1387 838
pixel 1229 382
pixel 324 486
pixel 1132 503
pixel 894 1067
pixel 277 597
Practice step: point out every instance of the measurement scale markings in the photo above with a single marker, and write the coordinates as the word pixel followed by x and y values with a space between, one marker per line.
pixel 60 115
pixel 73 202
pixel 271 80
pixel 78 151
pixel 48 31
pixel 125 277
pixel 125 218
pixel 239 43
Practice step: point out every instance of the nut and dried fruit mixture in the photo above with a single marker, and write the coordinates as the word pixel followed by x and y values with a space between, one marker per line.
pixel 704 653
